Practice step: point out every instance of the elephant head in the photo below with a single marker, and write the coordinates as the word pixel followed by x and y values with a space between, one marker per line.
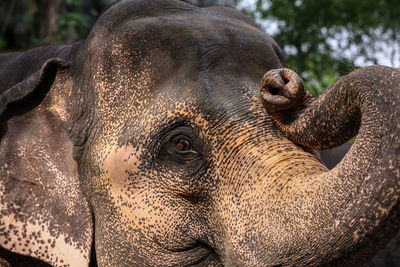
pixel 148 144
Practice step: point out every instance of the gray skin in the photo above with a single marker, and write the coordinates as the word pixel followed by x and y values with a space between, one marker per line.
pixel 148 144
pixel 390 255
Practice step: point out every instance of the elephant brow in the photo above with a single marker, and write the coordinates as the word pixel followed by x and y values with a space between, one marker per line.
pixel 210 56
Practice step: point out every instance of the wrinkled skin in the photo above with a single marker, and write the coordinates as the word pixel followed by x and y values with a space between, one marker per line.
pixel 148 144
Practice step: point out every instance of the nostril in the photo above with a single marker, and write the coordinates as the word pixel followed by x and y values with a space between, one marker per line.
pixel 282 89
pixel 286 81
pixel 273 90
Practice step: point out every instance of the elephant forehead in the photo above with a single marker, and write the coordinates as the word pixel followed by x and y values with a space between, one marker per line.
pixel 119 83
pixel 141 58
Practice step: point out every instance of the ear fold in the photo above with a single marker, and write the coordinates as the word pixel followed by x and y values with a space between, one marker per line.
pixel 43 212
pixel 41 78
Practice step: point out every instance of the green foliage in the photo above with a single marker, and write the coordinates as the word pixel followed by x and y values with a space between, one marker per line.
pixel 28 23
pixel 3 43
pixel 314 34
pixel 75 21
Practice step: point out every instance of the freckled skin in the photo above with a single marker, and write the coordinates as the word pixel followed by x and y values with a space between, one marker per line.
pixel 157 127
pixel 371 96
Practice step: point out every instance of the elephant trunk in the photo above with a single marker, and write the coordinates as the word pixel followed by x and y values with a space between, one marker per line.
pixel 359 199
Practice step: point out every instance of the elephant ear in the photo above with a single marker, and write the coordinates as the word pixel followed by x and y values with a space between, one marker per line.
pixel 43 212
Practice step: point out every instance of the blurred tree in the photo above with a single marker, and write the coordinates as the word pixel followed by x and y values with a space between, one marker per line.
pixel 325 39
pixel 27 23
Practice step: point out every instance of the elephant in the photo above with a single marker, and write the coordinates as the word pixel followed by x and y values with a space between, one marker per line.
pixel 173 135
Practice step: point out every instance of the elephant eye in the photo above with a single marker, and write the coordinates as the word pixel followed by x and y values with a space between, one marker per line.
pixel 183 145
pixel 179 147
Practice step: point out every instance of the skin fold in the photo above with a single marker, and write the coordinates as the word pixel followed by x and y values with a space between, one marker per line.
pixel 149 144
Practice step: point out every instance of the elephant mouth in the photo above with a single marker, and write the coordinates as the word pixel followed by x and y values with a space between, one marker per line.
pixel 200 254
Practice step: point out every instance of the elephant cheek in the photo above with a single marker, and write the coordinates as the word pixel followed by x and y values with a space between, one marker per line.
pixel 120 169
pixel 112 178
pixel 120 162
pixel 129 206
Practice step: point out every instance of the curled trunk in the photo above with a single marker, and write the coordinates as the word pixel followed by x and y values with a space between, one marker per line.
pixel 359 198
